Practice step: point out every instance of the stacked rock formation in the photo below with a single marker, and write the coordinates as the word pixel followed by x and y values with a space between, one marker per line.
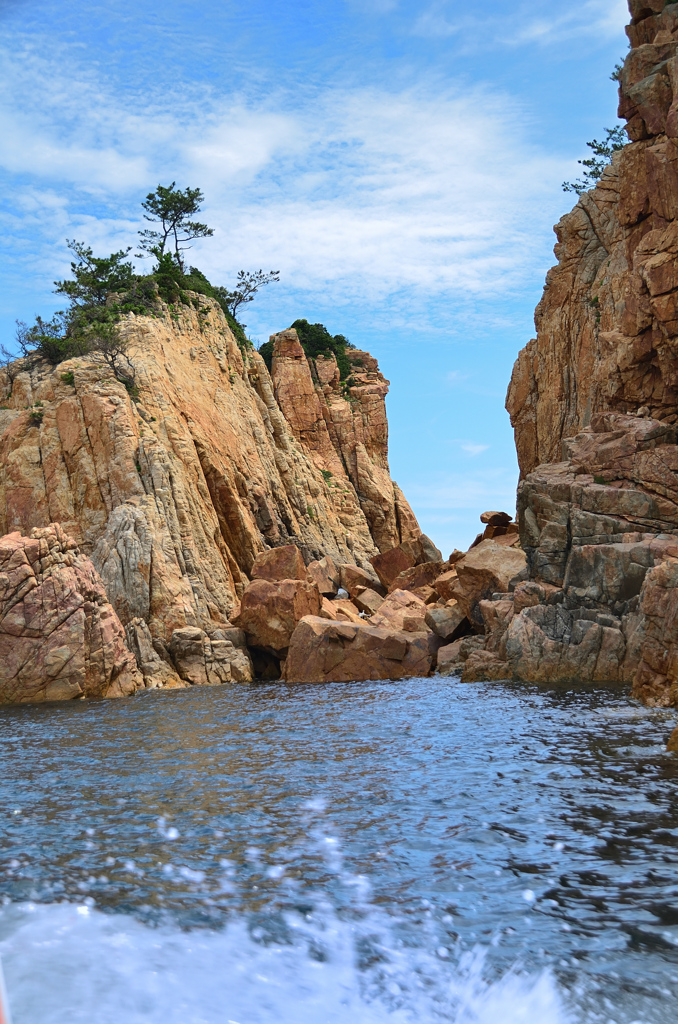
pixel 174 492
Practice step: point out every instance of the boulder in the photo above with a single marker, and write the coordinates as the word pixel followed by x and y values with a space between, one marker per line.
pixel 354 578
pixel 325 574
pixel 368 600
pixel 284 563
pixel 452 657
pixel 346 611
pixel 483 666
pixel 445 620
pixel 485 570
pixel 322 651
pixel 423 575
pixel 269 611
pixel 421 549
pixel 327 610
pixel 495 518
pixel 59 636
pixel 444 584
pixel 390 564
pixel 201 661
pixel 398 606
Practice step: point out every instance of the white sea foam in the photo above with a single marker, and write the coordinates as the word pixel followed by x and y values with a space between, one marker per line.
pixel 69 963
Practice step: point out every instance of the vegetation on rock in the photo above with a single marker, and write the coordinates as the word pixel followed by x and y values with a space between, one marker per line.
pixel 316 341
pixel 615 139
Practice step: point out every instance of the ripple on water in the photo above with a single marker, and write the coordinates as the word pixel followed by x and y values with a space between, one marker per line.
pixel 394 851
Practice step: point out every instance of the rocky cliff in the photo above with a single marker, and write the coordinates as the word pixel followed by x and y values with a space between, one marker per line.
pixel 173 492
pixel 594 403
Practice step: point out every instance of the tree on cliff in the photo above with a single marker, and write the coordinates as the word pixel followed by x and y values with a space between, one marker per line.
pixel 247 285
pixel 170 209
pixel 615 139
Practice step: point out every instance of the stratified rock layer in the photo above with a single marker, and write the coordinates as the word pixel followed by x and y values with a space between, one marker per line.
pixel 59 636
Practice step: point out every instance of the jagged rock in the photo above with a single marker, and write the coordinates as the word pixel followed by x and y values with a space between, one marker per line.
pixel 157 672
pixel 322 651
pixel 452 657
pixel 399 607
pixel 485 570
pixel 495 518
pixel 325 574
pixel 390 564
pixel 269 612
pixel 201 661
pixel 327 610
pixel 59 636
pixel 656 680
pixel 445 584
pixel 284 563
pixel 353 579
pixel 421 549
pixel 446 620
pixel 346 611
pixel 482 666
pixel 423 575
pixel 367 600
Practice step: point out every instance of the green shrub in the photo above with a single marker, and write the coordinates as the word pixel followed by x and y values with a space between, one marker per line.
pixel 36 416
pixel 326 475
pixel 68 378
pixel 316 340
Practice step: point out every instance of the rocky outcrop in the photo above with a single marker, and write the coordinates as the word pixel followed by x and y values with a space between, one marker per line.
pixel 59 636
pixel 607 325
pixel 270 611
pixel 214 468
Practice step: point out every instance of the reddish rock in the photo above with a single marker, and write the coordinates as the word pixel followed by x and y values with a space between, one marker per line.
pixel 495 518
pixel 327 610
pixel 202 661
pixel 421 549
pixel 445 584
pixel 270 611
pixel 390 564
pixel 284 563
pixel 354 578
pixel 367 600
pixel 398 606
pixel 322 651
pixel 325 574
pixel 446 620
pixel 452 657
pixel 485 570
pixel 59 636
pixel 346 611
pixel 484 666
pixel 422 575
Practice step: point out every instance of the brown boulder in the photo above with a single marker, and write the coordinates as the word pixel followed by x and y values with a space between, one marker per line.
pixel 445 620
pixel 346 611
pixel 398 606
pixel 158 673
pixel 322 651
pixel 483 666
pixel 485 570
pixel 421 549
pixel 445 584
pixel 59 636
pixel 390 564
pixel 353 578
pixel 495 518
pixel 422 575
pixel 325 574
pixel 367 600
pixel 269 611
pixel 284 563
pixel 452 657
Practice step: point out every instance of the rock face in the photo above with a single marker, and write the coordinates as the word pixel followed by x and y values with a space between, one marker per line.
pixel 607 325
pixel 59 636
pixel 181 495
pixel 269 612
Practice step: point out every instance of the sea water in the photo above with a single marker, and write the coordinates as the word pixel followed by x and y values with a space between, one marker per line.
pixel 418 851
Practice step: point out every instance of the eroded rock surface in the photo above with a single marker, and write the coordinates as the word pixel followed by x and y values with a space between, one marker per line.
pixel 59 636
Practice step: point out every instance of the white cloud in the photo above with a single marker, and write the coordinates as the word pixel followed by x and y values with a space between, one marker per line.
pixel 360 193
pixel 592 18
pixel 473 449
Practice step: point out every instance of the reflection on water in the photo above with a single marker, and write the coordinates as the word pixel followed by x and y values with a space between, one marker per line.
pixel 404 851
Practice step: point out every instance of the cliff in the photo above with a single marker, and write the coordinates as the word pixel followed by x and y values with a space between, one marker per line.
pixel 607 325
pixel 174 492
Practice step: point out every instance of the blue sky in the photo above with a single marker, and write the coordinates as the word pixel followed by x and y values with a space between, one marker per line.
pixel 399 161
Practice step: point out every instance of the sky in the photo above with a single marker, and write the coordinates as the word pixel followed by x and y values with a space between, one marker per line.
pixel 398 161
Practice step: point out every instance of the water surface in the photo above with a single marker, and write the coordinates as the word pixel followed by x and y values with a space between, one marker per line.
pixel 377 852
